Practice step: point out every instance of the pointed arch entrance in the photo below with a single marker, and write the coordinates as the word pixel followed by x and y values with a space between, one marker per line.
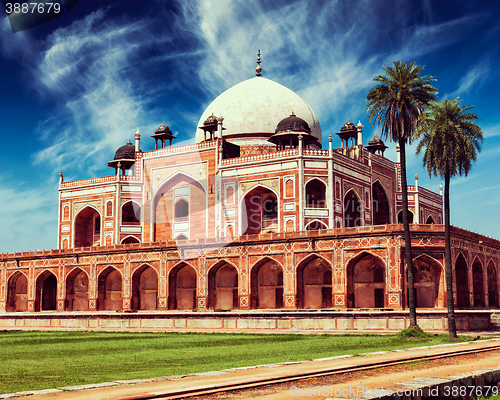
pixel 145 288
pixel 87 227
pixel 314 283
pixel 46 292
pixel 352 210
pixel 462 282
pixel 17 293
pixel 109 289
pixel 223 287
pixel 266 283
pixel 77 291
pixel 315 194
pixel 427 279
pixel 380 205
pixel 259 211
pixel 477 283
pixel 492 285
pixel 182 288
pixel 366 282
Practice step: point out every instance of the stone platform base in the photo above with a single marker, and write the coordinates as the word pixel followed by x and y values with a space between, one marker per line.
pixel 318 320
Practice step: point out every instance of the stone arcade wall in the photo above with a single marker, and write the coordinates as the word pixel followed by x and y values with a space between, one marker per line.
pixel 358 267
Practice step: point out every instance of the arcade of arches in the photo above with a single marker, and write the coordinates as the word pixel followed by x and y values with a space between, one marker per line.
pixel 366 282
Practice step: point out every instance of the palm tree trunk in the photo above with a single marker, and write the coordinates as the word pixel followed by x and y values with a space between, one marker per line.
pixel 452 328
pixel 406 226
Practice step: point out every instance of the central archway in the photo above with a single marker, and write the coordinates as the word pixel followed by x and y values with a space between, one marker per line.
pixel 314 283
pixel 366 282
pixel 267 285
pixel 223 287
pixel 87 227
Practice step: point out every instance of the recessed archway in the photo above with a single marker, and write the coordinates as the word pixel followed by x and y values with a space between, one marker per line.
pixel 381 210
pixel 352 210
pixel 259 211
pixel 462 282
pixel 87 227
pixel 77 291
pixel 131 213
pixel 46 292
pixel 492 285
pixel 266 283
pixel 427 278
pixel 410 217
pixel 429 220
pixel 315 194
pixel 17 293
pixel 366 282
pixel 223 287
pixel 315 225
pixel 182 288
pixel 314 283
pixel 145 288
pixel 477 283
pixel 109 290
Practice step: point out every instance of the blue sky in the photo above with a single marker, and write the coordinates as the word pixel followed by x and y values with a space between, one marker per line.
pixel 77 88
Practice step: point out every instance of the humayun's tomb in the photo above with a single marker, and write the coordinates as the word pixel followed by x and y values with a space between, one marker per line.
pixel 253 226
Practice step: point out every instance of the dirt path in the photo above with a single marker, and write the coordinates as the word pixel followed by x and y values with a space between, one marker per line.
pixel 381 378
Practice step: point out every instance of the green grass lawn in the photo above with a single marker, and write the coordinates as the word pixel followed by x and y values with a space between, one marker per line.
pixel 42 360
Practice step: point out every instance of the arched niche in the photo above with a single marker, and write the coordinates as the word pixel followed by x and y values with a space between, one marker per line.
pixel 180 187
pixel 130 239
pixel 315 194
pixel 352 210
pixel 223 287
pixel 259 211
pixel 366 282
pixel 77 291
pixel 315 225
pixel 87 227
pixel 492 285
pixel 145 288
pixel 381 210
pixel 426 281
pixel 17 293
pixel 462 282
pixel 410 217
pixel 182 288
pixel 46 292
pixel 477 284
pixel 266 281
pixel 109 290
pixel 131 213
pixel 314 283
pixel 429 220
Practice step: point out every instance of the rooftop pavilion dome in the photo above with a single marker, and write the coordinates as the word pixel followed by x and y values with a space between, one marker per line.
pixel 253 108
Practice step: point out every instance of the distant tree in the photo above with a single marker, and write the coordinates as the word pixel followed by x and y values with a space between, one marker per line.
pixel 395 104
pixel 450 141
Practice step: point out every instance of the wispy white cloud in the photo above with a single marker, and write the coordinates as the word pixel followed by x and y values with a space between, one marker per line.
pixel 473 80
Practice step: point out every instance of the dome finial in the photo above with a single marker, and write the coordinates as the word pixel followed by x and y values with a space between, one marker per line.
pixel 258 69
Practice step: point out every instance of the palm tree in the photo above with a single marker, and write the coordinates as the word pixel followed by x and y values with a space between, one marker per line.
pixel 449 140
pixel 395 104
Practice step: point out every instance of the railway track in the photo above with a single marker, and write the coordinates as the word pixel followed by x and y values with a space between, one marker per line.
pixel 254 383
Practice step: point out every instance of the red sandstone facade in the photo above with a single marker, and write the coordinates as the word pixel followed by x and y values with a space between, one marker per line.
pixel 226 225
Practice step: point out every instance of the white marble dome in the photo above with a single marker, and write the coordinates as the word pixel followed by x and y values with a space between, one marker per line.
pixel 253 108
